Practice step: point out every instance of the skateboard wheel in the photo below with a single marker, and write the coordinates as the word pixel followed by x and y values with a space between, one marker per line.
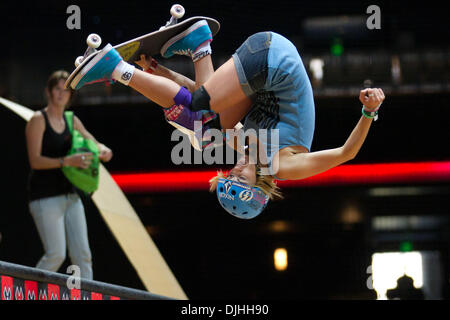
pixel 78 61
pixel 94 40
pixel 177 11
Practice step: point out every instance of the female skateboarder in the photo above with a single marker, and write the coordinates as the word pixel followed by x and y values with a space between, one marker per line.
pixel 265 84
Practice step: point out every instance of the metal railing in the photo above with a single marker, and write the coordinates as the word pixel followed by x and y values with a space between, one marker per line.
pixel 32 274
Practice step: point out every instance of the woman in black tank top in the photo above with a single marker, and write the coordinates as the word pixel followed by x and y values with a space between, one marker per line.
pixel 54 204
pixel 51 182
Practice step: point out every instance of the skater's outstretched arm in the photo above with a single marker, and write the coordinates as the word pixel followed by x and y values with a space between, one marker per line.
pixel 303 165
pixel 148 64
pixel 203 70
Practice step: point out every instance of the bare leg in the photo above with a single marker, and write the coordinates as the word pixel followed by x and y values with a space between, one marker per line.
pixel 223 86
pixel 231 117
pixel 225 91
pixel 203 70
pixel 162 87
pixel 158 89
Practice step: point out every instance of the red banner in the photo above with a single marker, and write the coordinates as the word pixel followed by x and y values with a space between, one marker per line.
pixel 7 288
pixel 17 289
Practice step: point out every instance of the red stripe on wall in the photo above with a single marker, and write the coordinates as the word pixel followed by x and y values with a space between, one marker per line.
pixel 357 174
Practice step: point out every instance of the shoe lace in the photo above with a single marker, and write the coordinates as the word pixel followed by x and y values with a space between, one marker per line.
pixel 186 52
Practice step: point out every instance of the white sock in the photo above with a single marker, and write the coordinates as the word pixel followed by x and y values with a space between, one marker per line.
pixel 202 52
pixel 123 72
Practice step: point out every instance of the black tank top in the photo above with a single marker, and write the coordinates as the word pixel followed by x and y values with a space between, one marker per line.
pixel 51 182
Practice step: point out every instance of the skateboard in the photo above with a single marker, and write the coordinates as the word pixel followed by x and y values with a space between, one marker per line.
pixel 148 44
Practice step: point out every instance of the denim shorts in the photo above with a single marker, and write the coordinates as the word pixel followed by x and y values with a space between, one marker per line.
pixel 272 75
pixel 251 62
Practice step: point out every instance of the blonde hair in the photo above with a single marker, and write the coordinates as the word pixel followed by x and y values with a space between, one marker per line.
pixel 265 182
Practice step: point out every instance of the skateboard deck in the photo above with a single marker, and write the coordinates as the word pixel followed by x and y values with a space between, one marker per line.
pixel 150 43
pixel 127 228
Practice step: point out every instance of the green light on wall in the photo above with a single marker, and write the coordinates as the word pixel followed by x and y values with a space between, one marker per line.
pixel 337 48
pixel 406 246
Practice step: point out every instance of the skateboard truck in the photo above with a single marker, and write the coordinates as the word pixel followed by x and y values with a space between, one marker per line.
pixel 94 40
pixel 177 12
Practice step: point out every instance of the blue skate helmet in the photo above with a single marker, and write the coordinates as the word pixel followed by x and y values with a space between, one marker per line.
pixel 241 200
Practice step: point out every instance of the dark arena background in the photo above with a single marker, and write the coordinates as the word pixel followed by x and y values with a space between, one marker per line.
pixel 343 236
